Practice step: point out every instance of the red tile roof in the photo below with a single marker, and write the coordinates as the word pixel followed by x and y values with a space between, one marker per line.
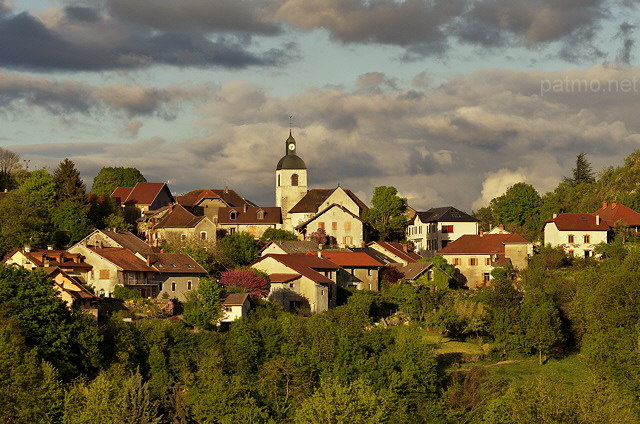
pixel 52 258
pixel 141 194
pixel 481 244
pixel 250 215
pixel 306 265
pixel 349 259
pixel 130 241
pixel 194 197
pixel 228 196
pixel 617 211
pixel 179 217
pixel 122 258
pixel 174 263
pixel 578 221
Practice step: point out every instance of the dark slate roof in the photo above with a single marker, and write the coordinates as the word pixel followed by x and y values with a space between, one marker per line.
pixel 445 214
pixel 412 270
pixel 295 247
pixel 482 244
pixel 578 221
pixel 272 215
pixel 349 259
pixel 174 263
pixel 235 299
pixel 314 198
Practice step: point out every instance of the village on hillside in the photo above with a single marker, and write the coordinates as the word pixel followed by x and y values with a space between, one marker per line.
pixel 330 242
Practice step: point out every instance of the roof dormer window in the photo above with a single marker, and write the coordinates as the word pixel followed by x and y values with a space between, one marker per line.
pixel 233 214
pixel 260 214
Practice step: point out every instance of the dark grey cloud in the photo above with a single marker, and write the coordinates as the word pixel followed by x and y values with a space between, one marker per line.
pixel 86 40
pixel 244 16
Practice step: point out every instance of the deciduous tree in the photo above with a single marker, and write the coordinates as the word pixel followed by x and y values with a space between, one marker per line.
pixel 272 234
pixel 110 178
pixel 386 215
pixel 251 281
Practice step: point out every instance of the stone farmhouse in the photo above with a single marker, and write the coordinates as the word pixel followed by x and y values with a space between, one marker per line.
pixel 475 256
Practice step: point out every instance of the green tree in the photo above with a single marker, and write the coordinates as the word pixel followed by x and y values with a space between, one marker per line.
pixel 541 322
pixel 71 221
pixel 66 340
pixel 70 186
pixel 277 234
pixel 238 249
pixel 9 164
pixel 31 391
pixel 582 173
pixel 110 178
pixel 202 307
pixel 519 205
pixel 386 215
pixel 335 402
pixel 116 222
pixel 137 406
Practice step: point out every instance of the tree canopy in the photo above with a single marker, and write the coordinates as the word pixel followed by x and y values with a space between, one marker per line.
pixel 69 184
pixel 110 178
pixel 386 215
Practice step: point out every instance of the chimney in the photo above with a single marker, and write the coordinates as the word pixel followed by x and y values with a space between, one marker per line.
pixel 405 247
pixel 501 227
pixel 319 254
pixel 614 204
pixel 597 219
pixel 27 248
pixel 244 209
pixel 481 231
pixel 604 204
pixel 555 215
pixel 490 225
pixel 49 246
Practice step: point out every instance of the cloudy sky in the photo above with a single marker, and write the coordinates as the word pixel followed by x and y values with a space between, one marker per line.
pixel 450 101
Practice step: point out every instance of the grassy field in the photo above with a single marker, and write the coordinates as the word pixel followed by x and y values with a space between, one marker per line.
pixel 464 356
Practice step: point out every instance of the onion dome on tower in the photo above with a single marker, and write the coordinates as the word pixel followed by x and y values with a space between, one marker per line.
pixel 291 160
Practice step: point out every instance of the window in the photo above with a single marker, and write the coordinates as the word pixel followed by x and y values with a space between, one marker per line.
pixel 457 261
pixel 104 274
pixel 294 179
pixel 189 285
pixel 587 253
pixel 486 277
pixel 334 226
pixel 228 309
pixel 487 261
pixel 233 215
pixel 447 228
pixel 173 286
pixel 347 226
pixel 320 225
pixel 183 237
pixel 203 235
pixel 321 292
pixel 232 231
pixel 570 238
pixel 292 285
pixel 570 253
pixel 188 266
pixel 473 261
pixel 278 180
pixel 369 272
pixel 430 275
pixel 260 214
pixel 173 265
pixel 252 230
pixel 587 238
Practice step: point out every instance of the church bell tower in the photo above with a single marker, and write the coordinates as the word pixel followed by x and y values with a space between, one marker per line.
pixel 291 181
